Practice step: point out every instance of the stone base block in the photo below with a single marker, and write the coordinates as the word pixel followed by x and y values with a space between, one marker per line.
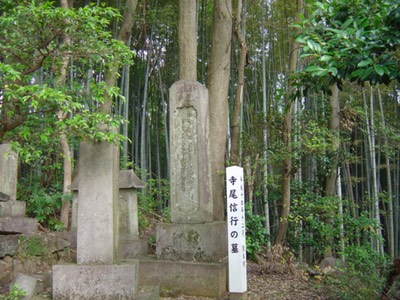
pixel 28 284
pixel 132 248
pixel 192 242
pixel 106 282
pixel 14 225
pixel 12 209
pixel 8 245
pixel 192 279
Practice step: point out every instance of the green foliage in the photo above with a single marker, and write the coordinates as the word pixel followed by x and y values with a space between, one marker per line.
pixel 310 211
pixel 15 293
pixel 43 203
pixel 33 48
pixel 31 246
pixel 353 40
pixel 154 197
pixel 363 277
pixel 255 232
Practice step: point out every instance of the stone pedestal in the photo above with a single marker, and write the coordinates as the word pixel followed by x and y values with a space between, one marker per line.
pixel 107 282
pixel 188 278
pixel 192 242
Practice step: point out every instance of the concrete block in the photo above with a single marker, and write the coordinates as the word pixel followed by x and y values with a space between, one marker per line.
pixel 16 225
pixel 26 283
pixel 8 245
pixel 192 279
pixel 192 242
pixel 105 282
pixel 12 209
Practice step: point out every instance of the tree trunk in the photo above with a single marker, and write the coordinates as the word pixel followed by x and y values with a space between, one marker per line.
pixel 390 235
pixel 124 36
pixel 373 170
pixel 287 161
pixel 218 83
pixel 265 134
pixel 235 119
pixel 67 158
pixel 331 178
pixel 187 40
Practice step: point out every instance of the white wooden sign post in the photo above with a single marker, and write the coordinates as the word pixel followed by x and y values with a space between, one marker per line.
pixel 236 230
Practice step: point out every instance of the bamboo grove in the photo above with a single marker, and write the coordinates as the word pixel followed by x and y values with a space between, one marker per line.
pixel 313 108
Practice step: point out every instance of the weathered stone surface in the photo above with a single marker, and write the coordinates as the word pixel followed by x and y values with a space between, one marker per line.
pixel 190 180
pixel 8 245
pixel 97 205
pixel 4 197
pixel 8 171
pixel 18 225
pixel 192 242
pixel 43 281
pixel 128 213
pixel 6 271
pixel 28 284
pixel 12 209
pixel 132 247
pixel 193 279
pixel 128 182
pixel 149 293
pixel 106 282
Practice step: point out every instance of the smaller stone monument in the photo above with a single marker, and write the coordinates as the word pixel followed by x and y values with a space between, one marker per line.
pixel 12 211
pixel 98 274
pixel 131 246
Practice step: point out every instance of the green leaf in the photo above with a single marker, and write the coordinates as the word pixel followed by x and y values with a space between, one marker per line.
pixel 380 70
pixel 365 73
pixel 325 58
pixel 364 63
pixel 313 69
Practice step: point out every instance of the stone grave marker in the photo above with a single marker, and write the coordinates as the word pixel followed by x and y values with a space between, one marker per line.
pixel 12 211
pixel 194 246
pixel 98 273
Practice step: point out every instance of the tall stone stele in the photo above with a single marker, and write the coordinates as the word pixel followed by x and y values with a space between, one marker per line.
pixel 194 245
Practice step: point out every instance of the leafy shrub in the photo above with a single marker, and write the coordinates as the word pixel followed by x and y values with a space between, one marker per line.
pixel 154 198
pixel 255 232
pixel 363 278
pixel 15 293
pixel 44 204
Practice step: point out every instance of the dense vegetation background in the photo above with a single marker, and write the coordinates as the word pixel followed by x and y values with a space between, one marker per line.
pixel 313 106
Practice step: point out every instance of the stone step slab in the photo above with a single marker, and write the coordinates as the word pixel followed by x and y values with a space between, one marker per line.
pixel 12 209
pixel 17 225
